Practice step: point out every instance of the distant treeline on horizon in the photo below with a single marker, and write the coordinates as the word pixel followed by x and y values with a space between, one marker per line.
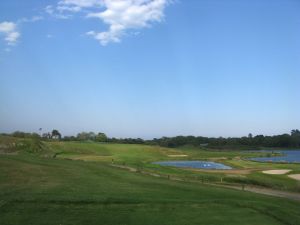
pixel 291 140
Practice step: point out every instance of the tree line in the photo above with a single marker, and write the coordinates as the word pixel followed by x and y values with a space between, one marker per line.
pixel 291 140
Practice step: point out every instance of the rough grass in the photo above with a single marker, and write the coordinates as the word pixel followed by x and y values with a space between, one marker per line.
pixel 54 191
pixel 142 156
pixel 38 188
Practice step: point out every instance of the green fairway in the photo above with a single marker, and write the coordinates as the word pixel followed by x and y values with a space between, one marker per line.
pixel 42 189
pixel 142 156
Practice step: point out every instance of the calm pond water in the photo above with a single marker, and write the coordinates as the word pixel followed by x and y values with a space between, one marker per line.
pixel 289 156
pixel 195 164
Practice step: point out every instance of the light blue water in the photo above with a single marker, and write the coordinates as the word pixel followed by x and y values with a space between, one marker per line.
pixel 195 164
pixel 289 156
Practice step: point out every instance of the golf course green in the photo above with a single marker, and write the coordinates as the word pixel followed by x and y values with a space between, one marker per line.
pixel 117 184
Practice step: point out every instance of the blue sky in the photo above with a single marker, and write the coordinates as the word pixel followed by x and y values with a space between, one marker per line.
pixel 198 67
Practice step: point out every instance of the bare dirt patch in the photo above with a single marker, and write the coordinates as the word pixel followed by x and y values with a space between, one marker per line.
pixel 233 171
pixel 276 172
pixel 177 155
pixel 295 176
pixel 87 157
pixel 2 152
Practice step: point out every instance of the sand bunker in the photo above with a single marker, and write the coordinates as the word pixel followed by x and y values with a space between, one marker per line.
pixel 295 176
pixel 177 155
pixel 277 172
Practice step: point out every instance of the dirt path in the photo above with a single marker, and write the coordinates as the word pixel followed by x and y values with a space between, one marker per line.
pixel 265 191
pixel 131 169
pixel 259 190
pixel 277 193
pixel 233 171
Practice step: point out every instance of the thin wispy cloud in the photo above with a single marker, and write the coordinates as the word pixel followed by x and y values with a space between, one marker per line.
pixel 31 20
pixel 121 16
pixel 54 12
pixel 78 5
pixel 125 15
pixel 49 36
pixel 10 32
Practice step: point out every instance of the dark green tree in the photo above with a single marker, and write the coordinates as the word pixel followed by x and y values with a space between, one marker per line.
pixel 55 134
pixel 86 136
pixel 295 136
pixel 101 137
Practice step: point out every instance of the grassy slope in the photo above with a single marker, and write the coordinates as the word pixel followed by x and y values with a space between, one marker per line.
pixel 52 191
pixel 141 156
pixel 38 190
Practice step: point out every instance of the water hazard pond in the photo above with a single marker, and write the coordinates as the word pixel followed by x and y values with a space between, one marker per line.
pixel 287 156
pixel 195 164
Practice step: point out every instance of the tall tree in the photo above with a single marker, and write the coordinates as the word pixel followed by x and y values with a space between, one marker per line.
pixel 55 134
pixel 101 137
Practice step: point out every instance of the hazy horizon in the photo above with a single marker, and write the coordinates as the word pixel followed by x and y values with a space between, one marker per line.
pixel 202 68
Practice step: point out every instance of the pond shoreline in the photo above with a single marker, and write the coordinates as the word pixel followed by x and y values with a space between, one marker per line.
pixel 285 156
pixel 195 164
